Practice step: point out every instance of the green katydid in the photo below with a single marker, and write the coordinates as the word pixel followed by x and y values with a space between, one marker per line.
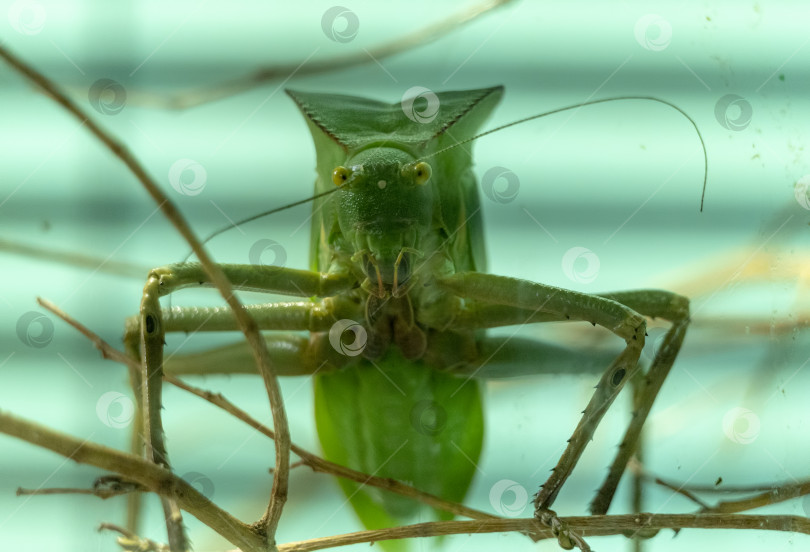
pixel 397 264
pixel 427 417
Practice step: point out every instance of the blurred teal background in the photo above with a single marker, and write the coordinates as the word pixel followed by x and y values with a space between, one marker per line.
pixel 621 180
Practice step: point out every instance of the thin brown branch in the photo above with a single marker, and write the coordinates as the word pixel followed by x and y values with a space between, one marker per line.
pixel 150 475
pixel 767 494
pixel 202 95
pixel 107 350
pixel 108 266
pixel 100 493
pixel 773 496
pixel 680 490
pixel 727 489
pixel 246 323
pixel 590 526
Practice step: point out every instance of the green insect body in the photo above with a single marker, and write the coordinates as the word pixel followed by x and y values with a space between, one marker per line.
pixel 397 222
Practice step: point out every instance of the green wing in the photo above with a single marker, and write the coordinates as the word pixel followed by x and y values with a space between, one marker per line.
pixel 404 420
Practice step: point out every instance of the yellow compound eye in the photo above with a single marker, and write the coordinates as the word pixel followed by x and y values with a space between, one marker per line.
pixel 421 173
pixel 340 175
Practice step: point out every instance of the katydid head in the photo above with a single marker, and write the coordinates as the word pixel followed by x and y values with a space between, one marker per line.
pixel 385 208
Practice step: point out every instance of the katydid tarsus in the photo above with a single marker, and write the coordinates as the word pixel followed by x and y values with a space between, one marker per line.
pixel 397 264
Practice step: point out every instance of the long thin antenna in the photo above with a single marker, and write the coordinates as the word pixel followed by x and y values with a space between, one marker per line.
pixel 216 233
pixel 593 102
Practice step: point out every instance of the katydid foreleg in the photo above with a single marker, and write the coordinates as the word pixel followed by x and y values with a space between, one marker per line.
pixel 565 305
pixel 655 304
pixel 518 301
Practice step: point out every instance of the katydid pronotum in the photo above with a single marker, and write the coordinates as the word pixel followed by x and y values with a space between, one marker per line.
pixel 395 272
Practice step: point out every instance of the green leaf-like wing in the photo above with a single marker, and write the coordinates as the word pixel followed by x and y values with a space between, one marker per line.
pixel 404 420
